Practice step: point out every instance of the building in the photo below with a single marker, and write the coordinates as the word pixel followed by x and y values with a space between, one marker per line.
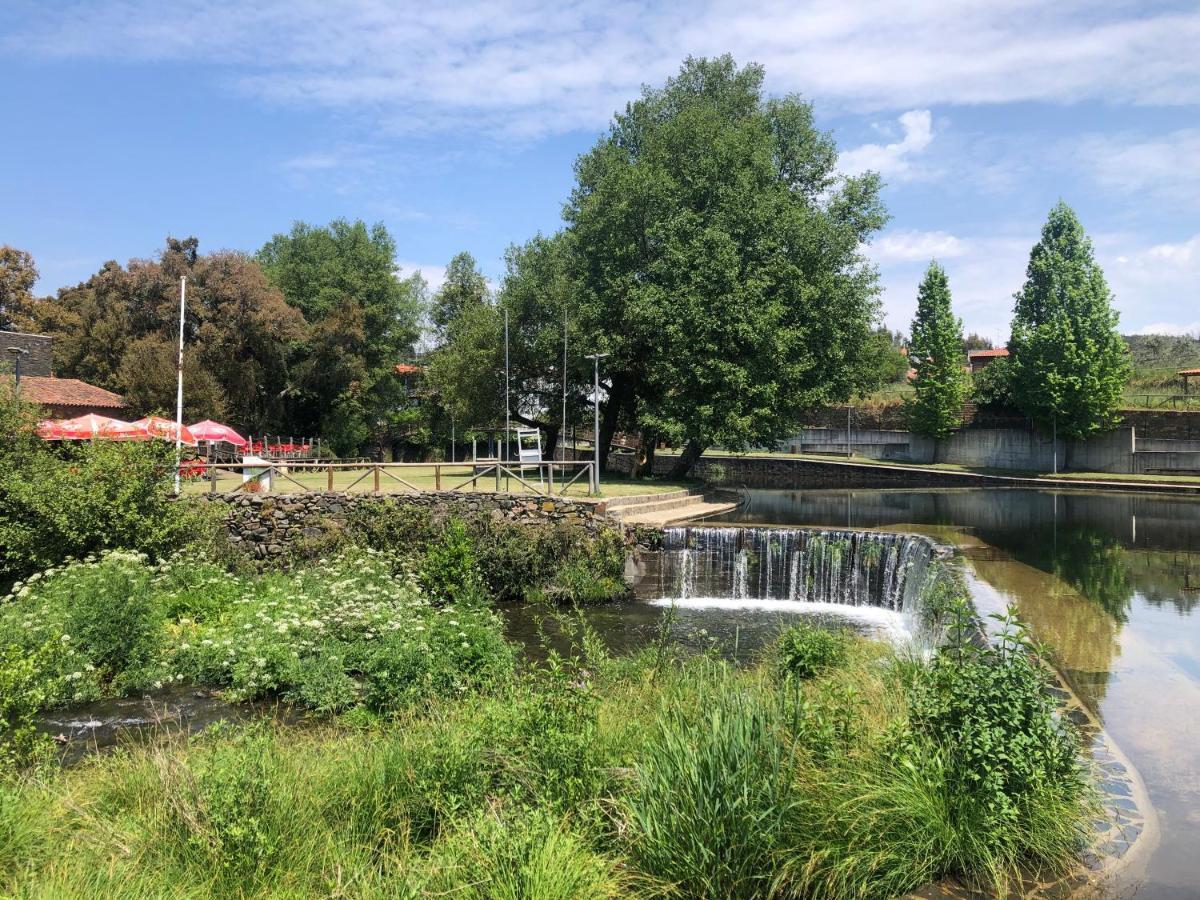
pixel 35 351
pixel 981 359
pixel 61 398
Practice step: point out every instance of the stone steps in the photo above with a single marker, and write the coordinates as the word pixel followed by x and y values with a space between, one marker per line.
pixel 672 508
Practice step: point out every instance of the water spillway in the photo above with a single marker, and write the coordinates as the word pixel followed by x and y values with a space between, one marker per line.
pixel 794 565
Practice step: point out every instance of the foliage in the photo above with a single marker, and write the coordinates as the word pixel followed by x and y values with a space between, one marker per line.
pixel 1069 364
pixel 1149 352
pixel 336 635
pixel 99 494
pixel 586 776
pixel 992 386
pixel 464 287
pixel 22 696
pixel 890 357
pixel 714 796
pixel 514 562
pixel 17 278
pixel 718 260
pixel 119 329
pixel 806 650
pixel 364 320
pixel 936 347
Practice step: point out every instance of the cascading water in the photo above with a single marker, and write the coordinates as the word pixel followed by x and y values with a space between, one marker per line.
pixel 794 570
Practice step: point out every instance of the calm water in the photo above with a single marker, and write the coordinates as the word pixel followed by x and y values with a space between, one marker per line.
pixel 1111 582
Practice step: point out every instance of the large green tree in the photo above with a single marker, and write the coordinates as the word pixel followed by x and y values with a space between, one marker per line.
pixel 17 278
pixel 1069 364
pixel 365 319
pixel 465 286
pixel 936 350
pixel 718 260
pixel 119 329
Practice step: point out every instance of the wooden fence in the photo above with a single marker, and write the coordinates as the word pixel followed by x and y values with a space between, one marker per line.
pixel 543 479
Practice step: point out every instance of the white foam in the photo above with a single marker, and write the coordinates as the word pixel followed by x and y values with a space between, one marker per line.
pixel 887 623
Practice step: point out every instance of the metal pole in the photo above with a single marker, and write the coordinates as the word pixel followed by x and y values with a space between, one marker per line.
pixel 179 383
pixel 452 436
pixel 507 393
pixel 595 358
pixel 1054 441
pixel 847 429
pixel 562 437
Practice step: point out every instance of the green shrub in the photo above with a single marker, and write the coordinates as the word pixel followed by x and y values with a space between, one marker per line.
pixel 1009 757
pixel 22 695
pixel 449 571
pixel 98 495
pixel 805 650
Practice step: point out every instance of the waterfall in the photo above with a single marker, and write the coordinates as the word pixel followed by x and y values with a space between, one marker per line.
pixel 848 568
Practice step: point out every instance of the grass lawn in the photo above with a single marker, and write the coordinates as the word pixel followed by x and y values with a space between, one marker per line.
pixel 422 478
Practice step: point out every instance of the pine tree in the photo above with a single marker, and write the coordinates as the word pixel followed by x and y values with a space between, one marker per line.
pixel 936 348
pixel 1069 364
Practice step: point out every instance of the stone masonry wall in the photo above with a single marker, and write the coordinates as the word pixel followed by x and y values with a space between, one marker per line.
pixel 263 525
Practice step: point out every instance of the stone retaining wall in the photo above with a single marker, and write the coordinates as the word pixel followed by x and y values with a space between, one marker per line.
pixel 264 525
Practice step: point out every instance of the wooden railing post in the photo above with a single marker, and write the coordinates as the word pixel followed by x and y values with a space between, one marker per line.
pixel 212 479
pixel 329 478
pixel 497 476
pixel 437 476
pixel 375 470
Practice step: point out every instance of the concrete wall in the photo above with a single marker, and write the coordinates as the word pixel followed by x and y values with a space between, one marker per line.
pixel 869 443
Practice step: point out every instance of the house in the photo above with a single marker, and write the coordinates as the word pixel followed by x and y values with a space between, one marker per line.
pixel 981 359
pixel 61 398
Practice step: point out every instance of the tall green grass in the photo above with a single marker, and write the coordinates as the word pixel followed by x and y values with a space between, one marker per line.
pixel 583 777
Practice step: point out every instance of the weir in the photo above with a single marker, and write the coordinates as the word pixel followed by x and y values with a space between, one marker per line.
pixel 795 565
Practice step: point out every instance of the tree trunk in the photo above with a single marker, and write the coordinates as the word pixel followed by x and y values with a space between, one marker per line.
pixel 609 418
pixel 643 466
pixel 687 459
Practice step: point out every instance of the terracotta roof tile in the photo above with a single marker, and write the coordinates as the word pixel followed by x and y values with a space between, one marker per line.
pixel 67 392
pixel 982 354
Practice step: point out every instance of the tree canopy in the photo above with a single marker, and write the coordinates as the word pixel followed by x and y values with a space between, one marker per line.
pixel 119 329
pixel 17 278
pixel 364 320
pixel 1069 364
pixel 936 348
pixel 718 260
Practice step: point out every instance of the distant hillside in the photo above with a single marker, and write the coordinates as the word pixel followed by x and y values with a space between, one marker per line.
pixel 1163 351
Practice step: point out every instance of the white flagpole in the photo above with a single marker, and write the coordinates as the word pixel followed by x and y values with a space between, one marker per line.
pixel 507 391
pixel 179 385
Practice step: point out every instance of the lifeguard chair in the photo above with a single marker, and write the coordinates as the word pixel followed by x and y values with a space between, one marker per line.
pixel 529 451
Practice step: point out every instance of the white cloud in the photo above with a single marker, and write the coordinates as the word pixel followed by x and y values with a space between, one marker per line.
pixel 1163 165
pixel 1160 280
pixel 910 246
pixel 894 159
pixel 533 67
pixel 435 276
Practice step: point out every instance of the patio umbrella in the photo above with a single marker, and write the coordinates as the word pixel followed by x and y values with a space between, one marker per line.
pixel 49 430
pixel 208 430
pixel 159 427
pixel 84 428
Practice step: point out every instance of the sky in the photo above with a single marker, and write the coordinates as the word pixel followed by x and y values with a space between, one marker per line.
pixel 456 125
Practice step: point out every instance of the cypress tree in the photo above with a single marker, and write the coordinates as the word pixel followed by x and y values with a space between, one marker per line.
pixel 1069 363
pixel 936 348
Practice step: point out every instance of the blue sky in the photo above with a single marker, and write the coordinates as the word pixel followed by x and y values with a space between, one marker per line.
pixel 457 124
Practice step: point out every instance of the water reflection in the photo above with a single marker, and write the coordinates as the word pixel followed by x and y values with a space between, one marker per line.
pixel 1109 581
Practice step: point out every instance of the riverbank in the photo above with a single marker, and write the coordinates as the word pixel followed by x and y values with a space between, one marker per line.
pixel 785 470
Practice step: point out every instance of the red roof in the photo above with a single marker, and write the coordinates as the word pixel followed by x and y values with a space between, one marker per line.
pixel 984 354
pixel 406 369
pixel 67 392
pixel 1188 372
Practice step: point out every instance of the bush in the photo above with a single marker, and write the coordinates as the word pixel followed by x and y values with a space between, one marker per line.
pixel 805 650
pixel 1012 766
pixel 22 695
pixel 99 495
pixel 992 385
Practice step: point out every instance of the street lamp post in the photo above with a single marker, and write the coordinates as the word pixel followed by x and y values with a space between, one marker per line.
pixel 17 353
pixel 179 383
pixel 595 358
